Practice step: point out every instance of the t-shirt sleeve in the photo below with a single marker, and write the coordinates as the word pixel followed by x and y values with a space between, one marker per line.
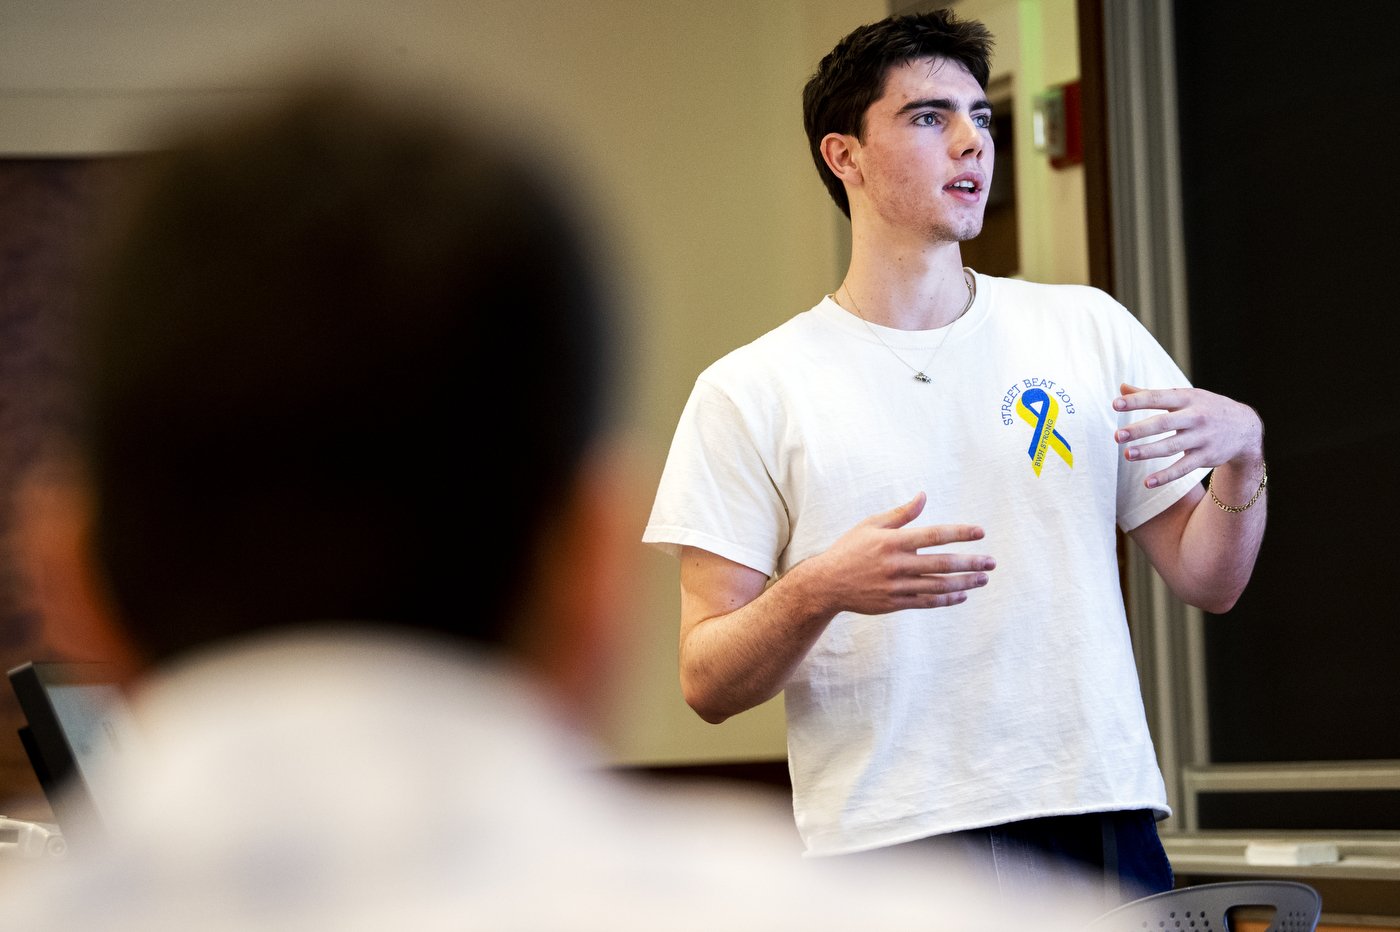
pixel 717 492
pixel 1148 366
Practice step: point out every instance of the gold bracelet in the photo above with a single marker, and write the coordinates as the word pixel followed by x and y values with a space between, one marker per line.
pixel 1236 509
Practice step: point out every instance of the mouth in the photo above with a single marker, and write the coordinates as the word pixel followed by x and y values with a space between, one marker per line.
pixel 967 184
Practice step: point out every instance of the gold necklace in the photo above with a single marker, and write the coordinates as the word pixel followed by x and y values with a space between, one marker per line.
pixel 919 375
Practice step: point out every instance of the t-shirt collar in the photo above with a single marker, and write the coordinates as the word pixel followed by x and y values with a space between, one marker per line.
pixel 830 311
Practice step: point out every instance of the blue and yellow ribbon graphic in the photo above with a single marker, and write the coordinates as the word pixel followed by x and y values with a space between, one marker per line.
pixel 1045 437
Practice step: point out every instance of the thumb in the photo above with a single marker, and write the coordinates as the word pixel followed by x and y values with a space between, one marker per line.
pixel 1126 389
pixel 902 514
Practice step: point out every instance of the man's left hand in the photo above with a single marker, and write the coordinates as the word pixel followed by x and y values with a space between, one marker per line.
pixel 1211 430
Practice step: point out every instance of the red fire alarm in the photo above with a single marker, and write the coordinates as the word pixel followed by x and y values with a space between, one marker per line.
pixel 1073 135
pixel 1057 125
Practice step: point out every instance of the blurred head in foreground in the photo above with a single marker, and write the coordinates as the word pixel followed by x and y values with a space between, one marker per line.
pixel 348 364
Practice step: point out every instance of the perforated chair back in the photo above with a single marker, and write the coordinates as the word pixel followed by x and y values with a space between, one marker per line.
pixel 1203 908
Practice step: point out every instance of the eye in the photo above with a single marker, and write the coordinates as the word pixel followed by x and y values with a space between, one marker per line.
pixel 926 119
pixel 982 120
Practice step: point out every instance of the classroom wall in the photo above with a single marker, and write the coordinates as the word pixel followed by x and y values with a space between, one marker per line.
pixel 680 123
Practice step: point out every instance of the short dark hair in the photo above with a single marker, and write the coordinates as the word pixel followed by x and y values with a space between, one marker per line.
pixel 345 358
pixel 852 76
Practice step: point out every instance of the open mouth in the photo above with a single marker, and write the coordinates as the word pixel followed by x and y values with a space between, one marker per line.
pixel 964 186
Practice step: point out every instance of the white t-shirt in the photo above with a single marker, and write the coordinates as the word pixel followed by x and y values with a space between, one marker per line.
pixel 1024 700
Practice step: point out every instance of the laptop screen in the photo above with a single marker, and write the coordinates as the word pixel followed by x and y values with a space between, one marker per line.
pixel 76 718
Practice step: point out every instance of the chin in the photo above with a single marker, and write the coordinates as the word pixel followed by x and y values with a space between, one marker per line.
pixel 970 230
pixel 959 232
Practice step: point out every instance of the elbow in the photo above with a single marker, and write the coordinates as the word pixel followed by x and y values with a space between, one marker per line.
pixel 1219 606
pixel 711 718
pixel 1214 593
pixel 703 701
pixel 1217 603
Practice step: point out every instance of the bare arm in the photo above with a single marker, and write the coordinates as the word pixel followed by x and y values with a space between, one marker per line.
pixel 740 643
pixel 1204 553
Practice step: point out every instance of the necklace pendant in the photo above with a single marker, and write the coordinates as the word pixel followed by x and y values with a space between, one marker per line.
pixel 920 377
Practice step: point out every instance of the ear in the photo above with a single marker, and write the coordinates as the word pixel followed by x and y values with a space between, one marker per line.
pixel 842 155
pixel 570 632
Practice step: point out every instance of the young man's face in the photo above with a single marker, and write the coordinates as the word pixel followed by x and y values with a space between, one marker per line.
pixel 926 160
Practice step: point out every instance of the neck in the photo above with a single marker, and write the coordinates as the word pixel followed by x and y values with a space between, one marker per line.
pixel 904 285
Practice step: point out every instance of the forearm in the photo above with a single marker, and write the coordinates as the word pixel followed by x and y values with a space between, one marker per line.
pixel 1204 551
pixel 1215 555
pixel 734 661
pixel 740 642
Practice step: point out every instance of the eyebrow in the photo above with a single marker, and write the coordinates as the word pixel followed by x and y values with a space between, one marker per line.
pixel 943 103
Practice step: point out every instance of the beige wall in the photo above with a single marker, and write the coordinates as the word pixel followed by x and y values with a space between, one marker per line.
pixel 681 121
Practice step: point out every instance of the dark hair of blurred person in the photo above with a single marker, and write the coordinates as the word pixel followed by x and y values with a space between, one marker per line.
pixel 345 362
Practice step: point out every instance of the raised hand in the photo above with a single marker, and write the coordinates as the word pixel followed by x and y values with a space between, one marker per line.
pixel 875 567
pixel 1211 430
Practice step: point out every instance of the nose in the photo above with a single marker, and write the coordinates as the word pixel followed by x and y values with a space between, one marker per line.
pixel 966 139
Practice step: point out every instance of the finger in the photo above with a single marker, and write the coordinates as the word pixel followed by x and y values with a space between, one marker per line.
pixel 917 538
pixel 1159 424
pixel 1175 471
pixel 899 515
pixel 1136 400
pixel 942 563
pixel 931 601
pixel 938 584
pixel 1168 446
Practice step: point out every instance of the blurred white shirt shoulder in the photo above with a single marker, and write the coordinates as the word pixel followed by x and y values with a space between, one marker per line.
pixel 351 781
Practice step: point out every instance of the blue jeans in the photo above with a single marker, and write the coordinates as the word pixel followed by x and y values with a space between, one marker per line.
pixel 1113 854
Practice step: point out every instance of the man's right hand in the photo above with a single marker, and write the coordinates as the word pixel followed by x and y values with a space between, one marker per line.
pixel 740 642
pixel 875 567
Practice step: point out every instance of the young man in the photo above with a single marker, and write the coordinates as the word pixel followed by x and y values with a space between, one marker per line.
pixel 925 405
